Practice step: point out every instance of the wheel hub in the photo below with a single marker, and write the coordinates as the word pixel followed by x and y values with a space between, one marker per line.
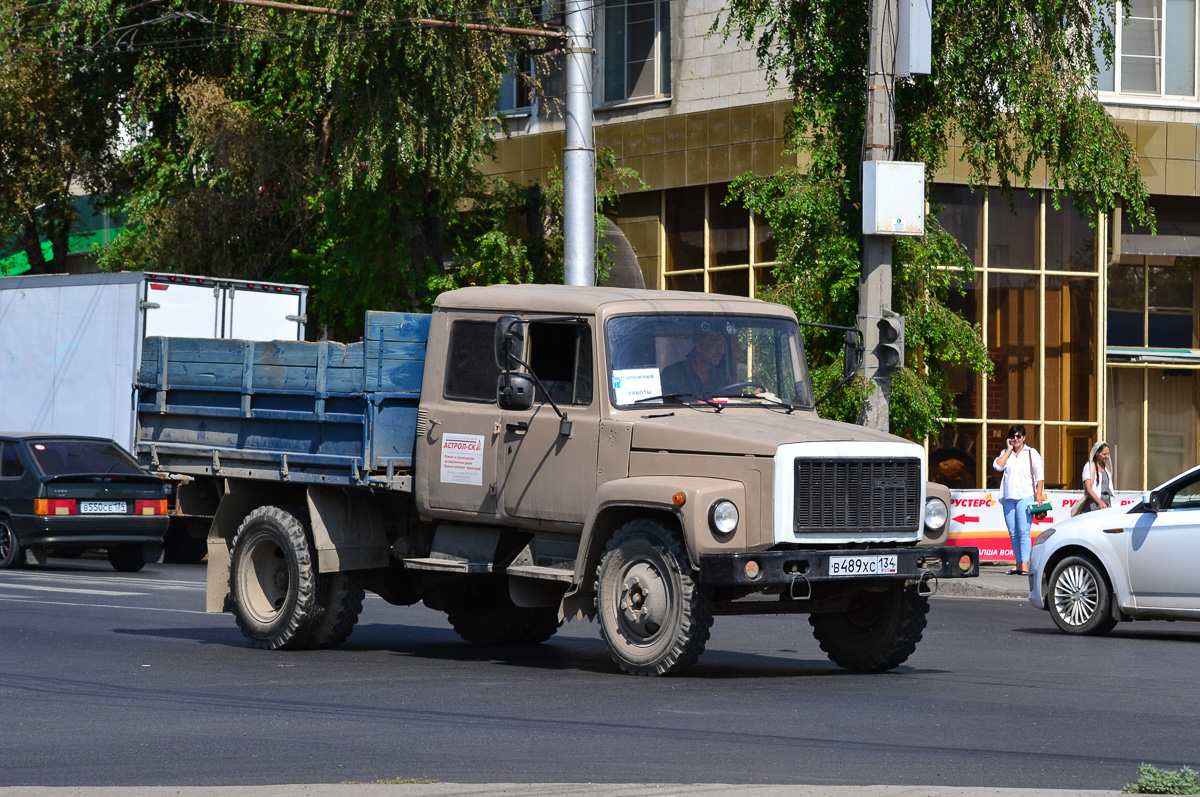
pixel 643 601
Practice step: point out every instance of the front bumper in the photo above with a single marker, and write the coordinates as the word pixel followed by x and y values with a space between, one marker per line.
pixel 786 568
pixel 89 530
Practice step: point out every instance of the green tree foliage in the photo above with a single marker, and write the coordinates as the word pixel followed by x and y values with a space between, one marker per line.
pixel 344 153
pixel 58 118
pixel 1011 82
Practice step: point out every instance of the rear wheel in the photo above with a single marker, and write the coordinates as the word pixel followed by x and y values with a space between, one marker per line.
pixel 12 555
pixel 878 631
pixel 128 557
pixel 653 616
pixel 1080 599
pixel 273 580
pixel 339 603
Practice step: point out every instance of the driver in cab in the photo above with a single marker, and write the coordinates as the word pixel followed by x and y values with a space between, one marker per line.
pixel 702 372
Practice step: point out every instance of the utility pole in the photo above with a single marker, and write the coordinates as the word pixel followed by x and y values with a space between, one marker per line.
pixel 579 151
pixel 875 282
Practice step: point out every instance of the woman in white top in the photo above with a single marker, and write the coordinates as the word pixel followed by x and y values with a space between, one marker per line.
pixel 1097 479
pixel 1020 487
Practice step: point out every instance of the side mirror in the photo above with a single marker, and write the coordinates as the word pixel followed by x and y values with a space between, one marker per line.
pixel 1153 501
pixel 509 334
pixel 852 359
pixel 514 391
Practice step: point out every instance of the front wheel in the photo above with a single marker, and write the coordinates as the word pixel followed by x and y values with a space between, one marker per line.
pixel 1080 599
pixel 12 555
pixel 653 616
pixel 273 580
pixel 877 632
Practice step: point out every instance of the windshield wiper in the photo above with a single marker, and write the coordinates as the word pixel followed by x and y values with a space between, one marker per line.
pixel 676 397
pixel 769 398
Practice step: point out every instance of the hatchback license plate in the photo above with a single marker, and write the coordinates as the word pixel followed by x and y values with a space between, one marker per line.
pixel 862 565
pixel 102 507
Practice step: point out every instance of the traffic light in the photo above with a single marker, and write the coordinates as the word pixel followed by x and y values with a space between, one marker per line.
pixel 889 352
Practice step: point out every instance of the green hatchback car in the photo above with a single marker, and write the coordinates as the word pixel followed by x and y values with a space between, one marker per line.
pixel 62 494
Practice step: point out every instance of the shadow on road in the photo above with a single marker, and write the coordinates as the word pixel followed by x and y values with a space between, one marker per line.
pixel 1185 632
pixel 563 653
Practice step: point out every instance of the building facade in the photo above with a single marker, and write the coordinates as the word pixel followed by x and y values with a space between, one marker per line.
pixel 1093 331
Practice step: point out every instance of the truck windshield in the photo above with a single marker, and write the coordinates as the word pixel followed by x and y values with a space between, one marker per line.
pixel 734 359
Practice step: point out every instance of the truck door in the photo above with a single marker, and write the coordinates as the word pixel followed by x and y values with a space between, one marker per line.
pixel 459 466
pixel 543 474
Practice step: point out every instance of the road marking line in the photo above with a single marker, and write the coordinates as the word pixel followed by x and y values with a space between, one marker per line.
pixel 6 599
pixel 115 594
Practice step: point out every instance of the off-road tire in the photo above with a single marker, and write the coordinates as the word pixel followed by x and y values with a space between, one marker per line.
pixel 486 615
pixel 12 555
pixel 653 615
pixel 273 580
pixel 127 557
pixel 877 632
pixel 1079 598
pixel 540 625
pixel 339 603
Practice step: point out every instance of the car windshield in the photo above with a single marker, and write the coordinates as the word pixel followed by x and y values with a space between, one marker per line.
pixel 736 359
pixel 69 457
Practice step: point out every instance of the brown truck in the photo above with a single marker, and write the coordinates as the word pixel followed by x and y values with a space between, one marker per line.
pixel 532 454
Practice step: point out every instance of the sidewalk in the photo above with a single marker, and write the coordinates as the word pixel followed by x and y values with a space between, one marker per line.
pixel 991 583
pixel 545 790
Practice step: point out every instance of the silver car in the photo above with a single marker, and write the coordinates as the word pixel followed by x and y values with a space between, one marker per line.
pixel 1139 562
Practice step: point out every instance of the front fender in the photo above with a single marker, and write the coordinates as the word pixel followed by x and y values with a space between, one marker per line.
pixel 621 500
pixel 1073 537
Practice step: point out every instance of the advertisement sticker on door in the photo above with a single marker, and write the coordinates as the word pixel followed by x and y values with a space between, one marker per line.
pixel 462 459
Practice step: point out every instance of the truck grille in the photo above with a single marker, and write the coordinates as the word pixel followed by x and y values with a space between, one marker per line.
pixel 857 495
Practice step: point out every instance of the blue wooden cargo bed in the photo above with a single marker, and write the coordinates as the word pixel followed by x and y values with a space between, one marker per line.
pixel 285 410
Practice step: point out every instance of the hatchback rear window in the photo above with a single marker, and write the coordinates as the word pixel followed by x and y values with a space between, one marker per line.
pixel 67 457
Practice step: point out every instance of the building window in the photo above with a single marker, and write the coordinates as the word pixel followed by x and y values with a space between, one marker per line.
pixel 1035 296
pixel 637 49
pixel 714 247
pixel 1155 53
pixel 516 87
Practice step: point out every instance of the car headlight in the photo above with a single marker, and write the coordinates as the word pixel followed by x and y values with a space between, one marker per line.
pixel 935 513
pixel 723 516
pixel 1041 538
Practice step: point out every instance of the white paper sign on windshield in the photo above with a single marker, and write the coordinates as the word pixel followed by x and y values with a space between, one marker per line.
pixel 633 384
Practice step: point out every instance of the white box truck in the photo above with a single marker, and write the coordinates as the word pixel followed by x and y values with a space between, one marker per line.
pixel 70 346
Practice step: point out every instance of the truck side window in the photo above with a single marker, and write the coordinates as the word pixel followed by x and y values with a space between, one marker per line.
pixel 471 370
pixel 561 356
pixel 10 462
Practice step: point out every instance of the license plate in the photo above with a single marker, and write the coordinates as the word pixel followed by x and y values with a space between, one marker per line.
pixel 862 565
pixel 102 507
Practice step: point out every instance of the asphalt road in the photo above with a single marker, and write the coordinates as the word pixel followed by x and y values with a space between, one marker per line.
pixel 109 679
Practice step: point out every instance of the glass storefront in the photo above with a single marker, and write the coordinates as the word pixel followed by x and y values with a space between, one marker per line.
pixel 1047 320
pixel 1037 283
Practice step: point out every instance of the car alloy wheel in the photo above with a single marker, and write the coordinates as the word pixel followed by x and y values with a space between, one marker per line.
pixel 1076 595
pixel 1081 601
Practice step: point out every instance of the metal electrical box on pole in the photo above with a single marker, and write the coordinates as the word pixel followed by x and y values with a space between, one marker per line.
pixel 579 151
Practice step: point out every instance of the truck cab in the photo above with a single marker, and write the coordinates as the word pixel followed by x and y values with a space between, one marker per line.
pixel 591 411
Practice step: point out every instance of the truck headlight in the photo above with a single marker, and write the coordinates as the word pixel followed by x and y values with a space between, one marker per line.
pixel 723 516
pixel 935 513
